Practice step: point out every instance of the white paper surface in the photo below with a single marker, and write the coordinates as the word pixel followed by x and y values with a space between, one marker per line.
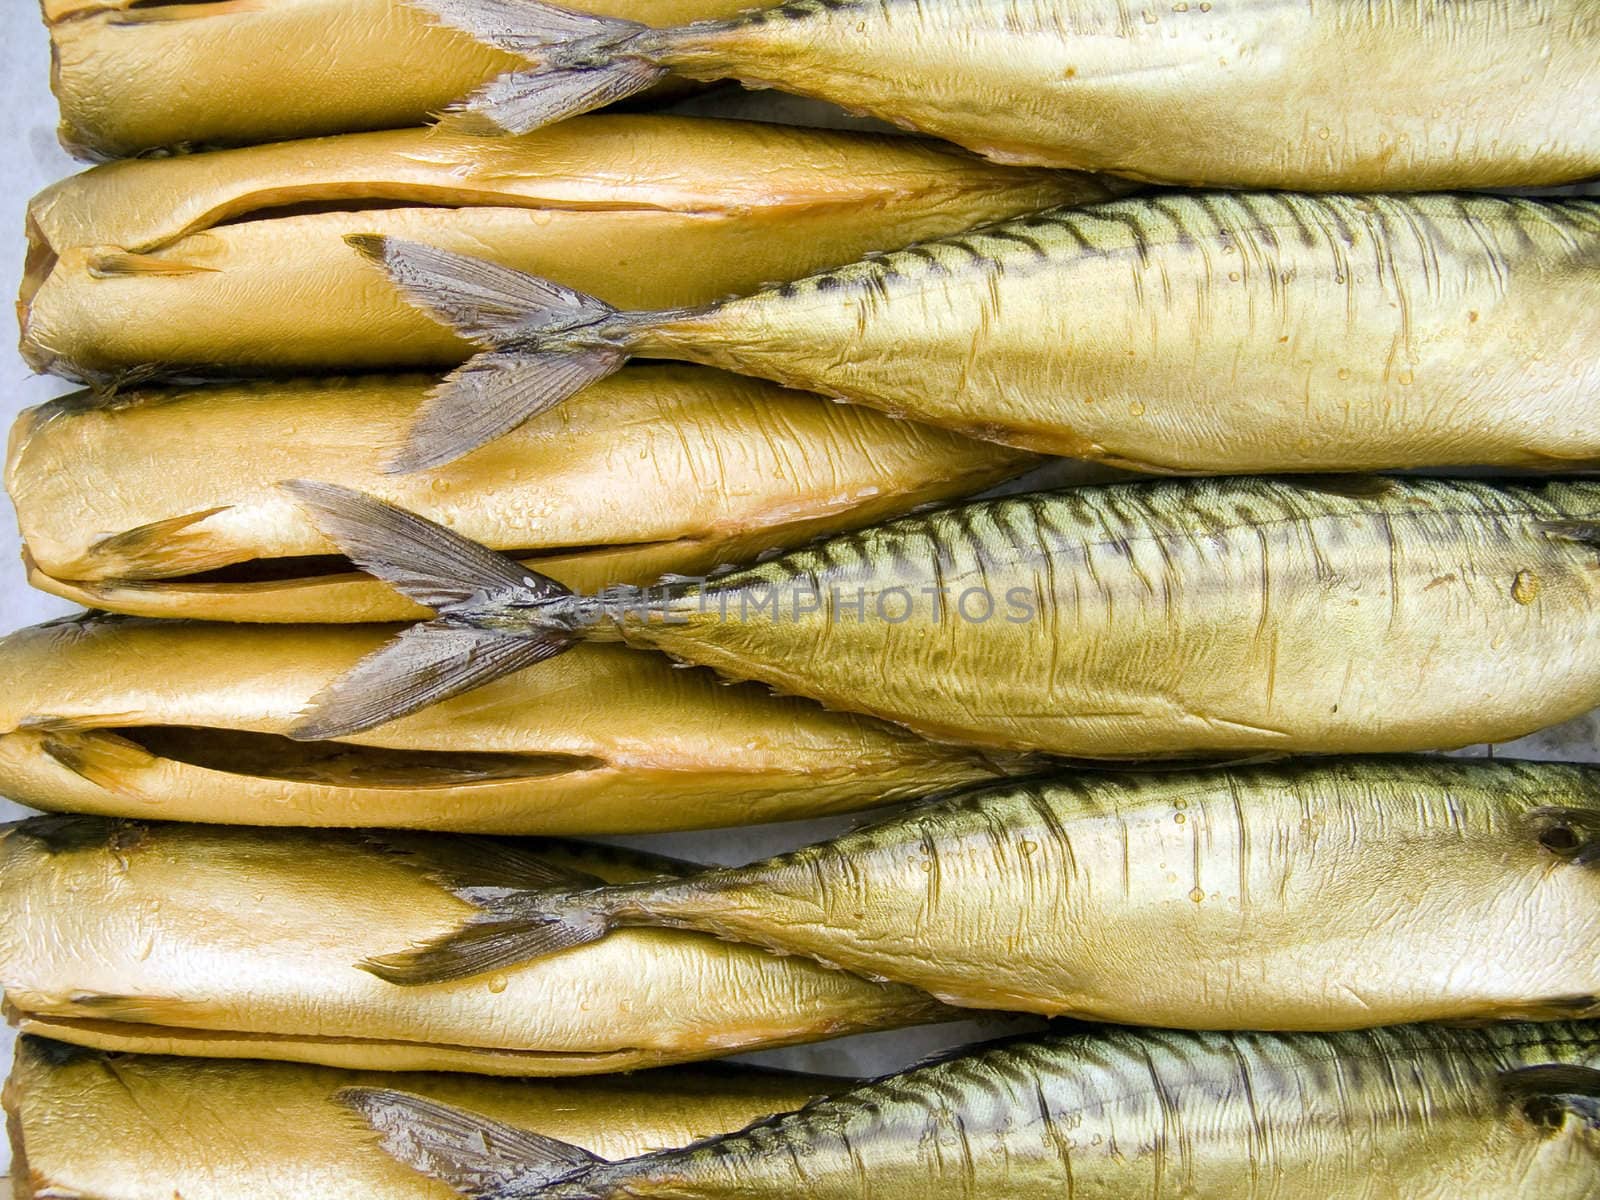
pixel 30 159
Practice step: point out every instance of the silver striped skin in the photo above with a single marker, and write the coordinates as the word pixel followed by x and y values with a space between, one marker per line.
pixel 1323 895
pixel 1175 617
pixel 1363 95
pixel 1409 1113
pixel 1211 333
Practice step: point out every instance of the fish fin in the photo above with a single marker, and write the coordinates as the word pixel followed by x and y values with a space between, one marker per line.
pixel 545 342
pixel 157 549
pixel 513 926
pixel 114 264
pixel 520 102
pixel 419 558
pixel 104 759
pixel 424 665
pixel 474 868
pixel 486 943
pixel 483 301
pixel 476 1155
pixel 171 1011
pixel 1548 1093
pixel 1351 487
pixel 493 394
pixel 435 660
pixel 524 26
pixel 580 62
pixel 1586 532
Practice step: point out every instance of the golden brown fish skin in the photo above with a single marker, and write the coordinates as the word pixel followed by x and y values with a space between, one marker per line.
pixel 1317 896
pixel 1325 616
pixel 1320 615
pixel 211 936
pixel 132 718
pixel 88 1123
pixel 191 262
pixel 1327 95
pixel 1211 334
pixel 182 74
pixel 1408 1113
pixel 736 468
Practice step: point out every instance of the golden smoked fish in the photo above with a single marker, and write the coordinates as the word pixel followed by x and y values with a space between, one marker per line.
pixel 1266 897
pixel 658 469
pixel 235 260
pixel 1163 618
pixel 1313 94
pixel 227 941
pixel 1411 1113
pixel 1199 334
pixel 147 1127
pixel 188 721
pixel 139 75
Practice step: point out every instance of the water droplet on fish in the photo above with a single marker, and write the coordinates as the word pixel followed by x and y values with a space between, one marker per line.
pixel 1196 895
pixel 1179 818
pixel 1137 408
pixel 1180 804
pixel 1324 133
pixel 1344 372
pixel 1028 847
pixel 1525 587
pixel 1172 877
pixel 498 984
pixel 1405 378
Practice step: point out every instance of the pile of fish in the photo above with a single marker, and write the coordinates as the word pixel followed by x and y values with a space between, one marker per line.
pixel 1129 495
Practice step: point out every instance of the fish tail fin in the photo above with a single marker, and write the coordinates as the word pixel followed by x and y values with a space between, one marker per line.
pixel 580 62
pixel 461 580
pixel 542 343
pixel 506 932
pixel 477 1156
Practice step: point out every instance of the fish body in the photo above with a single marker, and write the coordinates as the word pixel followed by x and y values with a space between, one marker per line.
pixel 1407 1113
pixel 189 721
pixel 659 469
pixel 133 77
pixel 234 261
pixel 1132 620
pixel 148 1127
pixel 227 941
pixel 1320 896
pixel 1209 333
pixel 1331 95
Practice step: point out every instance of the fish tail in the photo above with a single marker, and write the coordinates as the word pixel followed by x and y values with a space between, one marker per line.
pixel 509 933
pixel 542 343
pixel 578 62
pixel 477 1156
pixel 467 584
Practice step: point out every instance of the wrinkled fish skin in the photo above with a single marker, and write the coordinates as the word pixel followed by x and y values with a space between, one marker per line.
pixel 1330 615
pixel 147 1127
pixel 1331 94
pixel 132 78
pixel 186 721
pixel 1408 1113
pixel 233 261
pixel 227 941
pixel 661 468
pixel 1330 896
pixel 1211 333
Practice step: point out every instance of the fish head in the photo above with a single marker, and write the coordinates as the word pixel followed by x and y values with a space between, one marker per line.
pixel 173 720
pixel 568 492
